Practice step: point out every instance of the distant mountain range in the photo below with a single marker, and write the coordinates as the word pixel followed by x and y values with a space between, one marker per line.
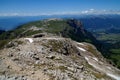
pixel 101 22
pixel 91 22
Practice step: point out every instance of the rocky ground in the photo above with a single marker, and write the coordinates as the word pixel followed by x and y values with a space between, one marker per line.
pixel 53 58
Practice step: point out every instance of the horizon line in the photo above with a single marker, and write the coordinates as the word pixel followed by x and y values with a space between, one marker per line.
pixel 85 12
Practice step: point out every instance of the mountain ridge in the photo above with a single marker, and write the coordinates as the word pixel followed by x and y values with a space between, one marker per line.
pixel 49 48
pixel 58 27
pixel 47 56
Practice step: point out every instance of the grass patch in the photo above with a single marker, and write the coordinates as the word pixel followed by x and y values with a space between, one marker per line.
pixel 115 51
pixel 99 75
pixel 63 68
pixel 55 45
pixel 109 37
pixel 3 43
pixel 92 50
pixel 40 65
pixel 56 26
pixel 19 42
pixel 115 56
pixel 89 66
pixel 116 59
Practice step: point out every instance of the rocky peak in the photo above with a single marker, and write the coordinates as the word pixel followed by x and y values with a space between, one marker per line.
pixel 53 58
pixel 77 25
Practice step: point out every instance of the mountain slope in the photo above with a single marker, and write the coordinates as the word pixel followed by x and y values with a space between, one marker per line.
pixel 67 28
pixel 44 50
pixel 70 28
pixel 52 58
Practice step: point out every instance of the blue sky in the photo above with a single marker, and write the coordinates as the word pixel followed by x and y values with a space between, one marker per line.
pixel 56 6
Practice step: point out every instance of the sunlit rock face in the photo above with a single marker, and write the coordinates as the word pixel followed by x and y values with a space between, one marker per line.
pixel 53 58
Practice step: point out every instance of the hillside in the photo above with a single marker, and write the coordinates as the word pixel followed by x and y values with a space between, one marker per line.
pixel 110 38
pixel 51 50
pixel 106 29
pixel 67 28
pixel 53 58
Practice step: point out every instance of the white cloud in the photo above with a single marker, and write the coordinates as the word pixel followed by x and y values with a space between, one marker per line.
pixel 9 14
pixel 90 11
pixel 84 12
pixel 93 11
